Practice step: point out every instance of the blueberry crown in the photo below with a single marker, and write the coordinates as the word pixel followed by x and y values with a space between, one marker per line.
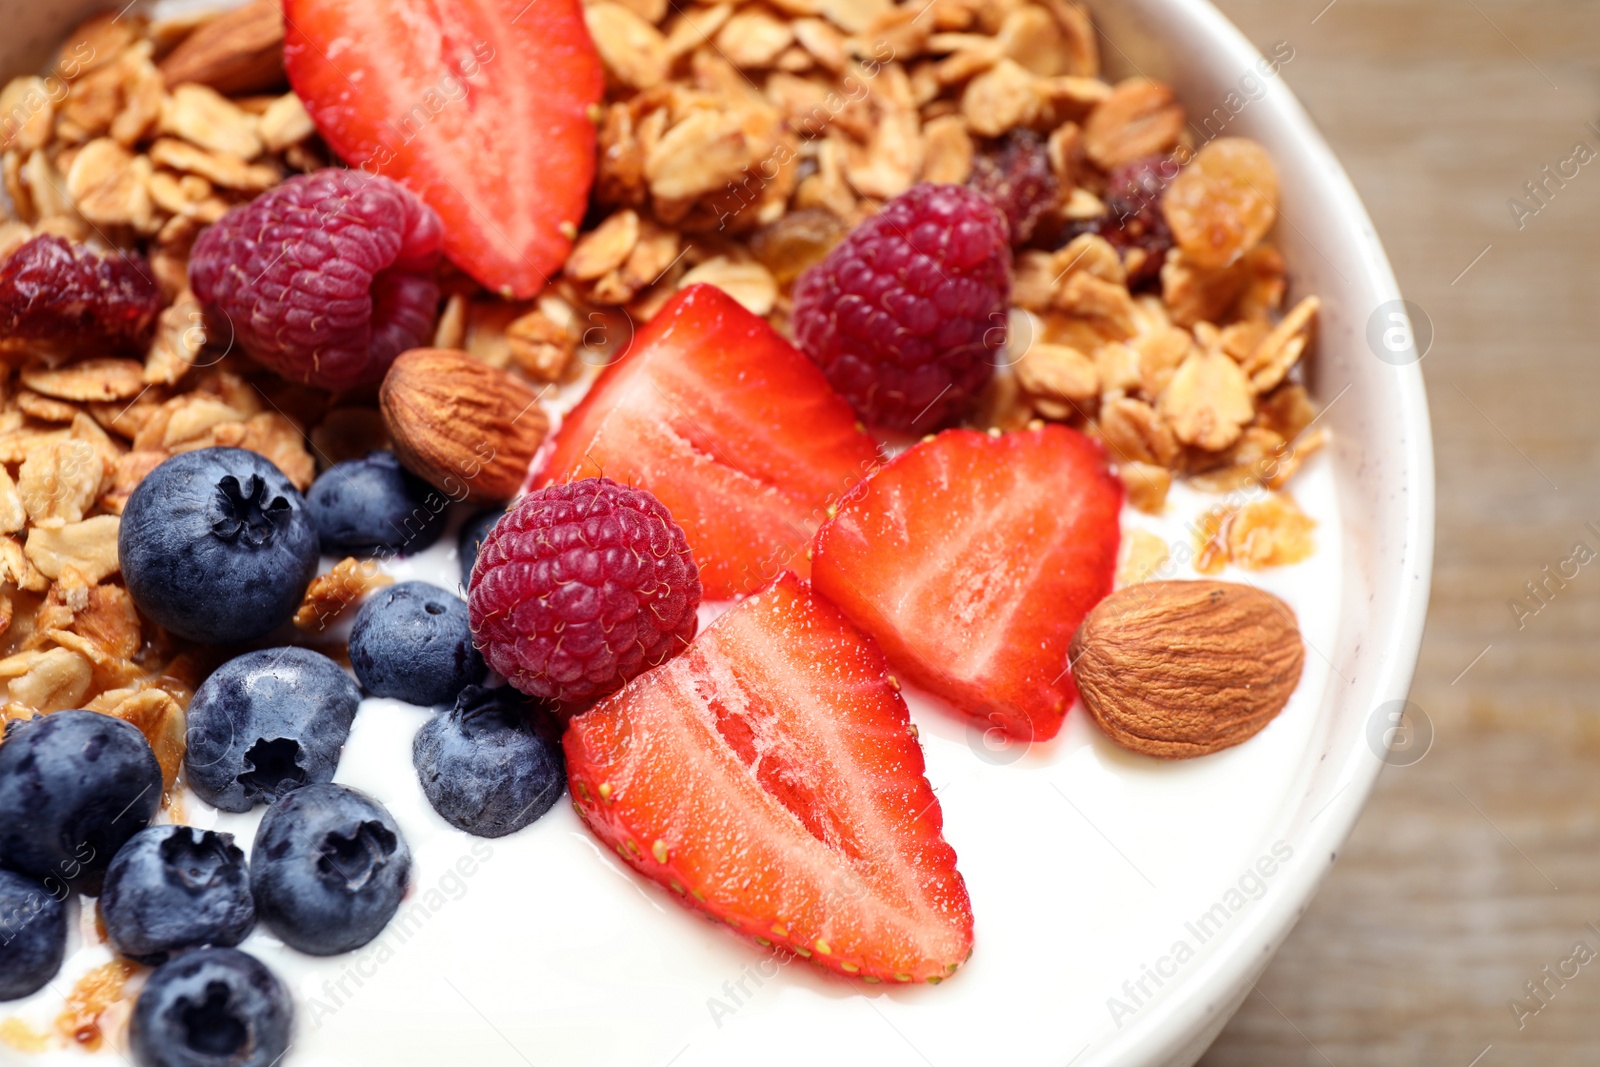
pixel 196 860
pixel 248 512
pixel 479 709
pixel 350 860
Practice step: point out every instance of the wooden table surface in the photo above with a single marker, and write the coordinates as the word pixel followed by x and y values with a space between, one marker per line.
pixel 1479 866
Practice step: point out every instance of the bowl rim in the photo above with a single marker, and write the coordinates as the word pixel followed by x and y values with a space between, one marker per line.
pixel 1177 1028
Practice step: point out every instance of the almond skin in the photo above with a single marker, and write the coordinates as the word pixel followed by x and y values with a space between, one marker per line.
pixel 239 51
pixel 1181 669
pixel 466 428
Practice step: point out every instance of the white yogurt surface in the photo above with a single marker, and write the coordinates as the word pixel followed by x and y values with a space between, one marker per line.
pixel 1088 867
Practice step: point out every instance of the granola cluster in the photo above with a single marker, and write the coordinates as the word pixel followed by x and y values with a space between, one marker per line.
pixel 108 150
pixel 738 144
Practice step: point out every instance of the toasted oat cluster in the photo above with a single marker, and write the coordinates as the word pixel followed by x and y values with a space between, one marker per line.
pixel 738 144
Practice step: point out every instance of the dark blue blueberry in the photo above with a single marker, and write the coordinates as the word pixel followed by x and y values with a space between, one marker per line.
pixel 74 787
pixel 33 936
pixel 413 642
pixel 484 766
pixel 328 868
pixel 216 1007
pixel 217 546
pixel 373 506
pixel 267 722
pixel 472 534
pixel 175 887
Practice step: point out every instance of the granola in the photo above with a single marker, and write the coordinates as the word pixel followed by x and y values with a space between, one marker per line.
pixel 737 145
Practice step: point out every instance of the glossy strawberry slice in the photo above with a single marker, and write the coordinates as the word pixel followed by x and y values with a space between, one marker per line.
pixel 730 427
pixel 972 558
pixel 480 108
pixel 770 777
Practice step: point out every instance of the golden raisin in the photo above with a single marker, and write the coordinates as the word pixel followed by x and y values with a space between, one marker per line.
pixel 1224 202
pixel 796 241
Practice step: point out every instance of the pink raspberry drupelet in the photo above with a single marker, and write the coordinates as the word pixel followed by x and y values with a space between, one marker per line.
pixel 325 278
pixel 581 587
pixel 907 314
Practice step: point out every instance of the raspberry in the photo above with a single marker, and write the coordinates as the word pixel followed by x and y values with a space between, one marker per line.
pixel 325 278
pixel 906 314
pixel 1018 178
pixel 580 587
pixel 66 296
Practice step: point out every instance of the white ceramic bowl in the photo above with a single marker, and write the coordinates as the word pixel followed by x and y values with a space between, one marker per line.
pixel 565 958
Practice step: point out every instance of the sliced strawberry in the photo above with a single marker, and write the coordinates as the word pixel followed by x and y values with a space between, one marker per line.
pixel 730 427
pixel 770 777
pixel 480 108
pixel 972 558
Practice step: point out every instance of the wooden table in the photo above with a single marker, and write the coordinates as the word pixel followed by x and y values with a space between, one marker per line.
pixel 1479 866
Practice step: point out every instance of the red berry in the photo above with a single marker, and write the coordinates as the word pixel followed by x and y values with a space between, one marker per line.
pixel 325 278
pixel 725 423
pixel 482 109
pixel 906 314
pixel 771 778
pixel 1018 178
pixel 64 295
pixel 580 587
pixel 972 559
pixel 1133 217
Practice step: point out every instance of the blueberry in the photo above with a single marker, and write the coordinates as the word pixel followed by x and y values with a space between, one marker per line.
pixel 74 787
pixel 328 868
pixel 373 506
pixel 176 887
pixel 472 534
pixel 267 722
pixel 484 767
pixel 413 642
pixel 217 546
pixel 216 1007
pixel 33 936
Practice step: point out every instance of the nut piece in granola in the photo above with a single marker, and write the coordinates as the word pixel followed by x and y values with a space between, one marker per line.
pixel 239 51
pixel 341 588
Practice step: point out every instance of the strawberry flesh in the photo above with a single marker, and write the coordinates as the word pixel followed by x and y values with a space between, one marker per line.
pixel 972 558
pixel 481 109
pixel 770 777
pixel 730 427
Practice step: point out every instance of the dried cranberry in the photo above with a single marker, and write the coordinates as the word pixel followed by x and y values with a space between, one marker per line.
pixel 68 297
pixel 1018 178
pixel 1133 216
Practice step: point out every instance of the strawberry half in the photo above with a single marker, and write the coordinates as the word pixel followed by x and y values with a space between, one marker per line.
pixel 972 558
pixel 480 108
pixel 771 778
pixel 730 427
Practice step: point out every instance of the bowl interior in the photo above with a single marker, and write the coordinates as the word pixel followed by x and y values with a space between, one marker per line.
pixel 1378 483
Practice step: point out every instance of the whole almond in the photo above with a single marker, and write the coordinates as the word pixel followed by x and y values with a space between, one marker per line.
pixel 465 427
pixel 1181 669
pixel 239 51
